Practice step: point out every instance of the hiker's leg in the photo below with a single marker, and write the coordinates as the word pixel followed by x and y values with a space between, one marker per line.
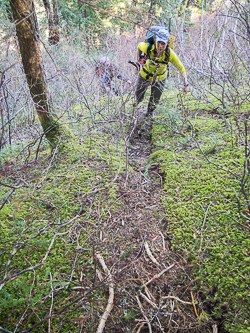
pixel 141 87
pixel 156 92
pixel 114 88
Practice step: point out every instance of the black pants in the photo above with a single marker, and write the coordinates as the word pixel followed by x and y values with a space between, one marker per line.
pixel 157 88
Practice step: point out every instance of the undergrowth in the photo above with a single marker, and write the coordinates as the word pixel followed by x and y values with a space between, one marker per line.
pixel 64 191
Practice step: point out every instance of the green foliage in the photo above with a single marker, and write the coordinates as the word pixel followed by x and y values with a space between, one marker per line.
pixel 7 152
pixel 5 10
pixel 74 14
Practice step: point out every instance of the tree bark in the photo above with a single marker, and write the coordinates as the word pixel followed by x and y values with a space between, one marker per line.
pixel 55 35
pixel 53 21
pixel 28 38
pixel 47 7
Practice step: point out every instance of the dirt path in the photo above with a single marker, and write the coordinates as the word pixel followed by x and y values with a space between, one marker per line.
pixel 138 245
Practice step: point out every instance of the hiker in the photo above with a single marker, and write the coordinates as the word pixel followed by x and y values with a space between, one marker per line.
pixel 155 69
pixel 107 71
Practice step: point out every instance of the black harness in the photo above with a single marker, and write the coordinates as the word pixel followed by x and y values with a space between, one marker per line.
pixel 148 56
pixel 151 74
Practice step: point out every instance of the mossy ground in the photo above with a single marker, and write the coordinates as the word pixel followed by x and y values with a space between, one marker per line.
pixel 71 195
pixel 203 163
pixel 59 188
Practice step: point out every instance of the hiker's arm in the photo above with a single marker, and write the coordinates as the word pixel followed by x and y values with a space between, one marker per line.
pixel 178 64
pixel 139 52
pixel 142 47
pixel 120 77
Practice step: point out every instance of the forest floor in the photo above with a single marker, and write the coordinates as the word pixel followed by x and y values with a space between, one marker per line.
pixel 154 288
pixel 84 232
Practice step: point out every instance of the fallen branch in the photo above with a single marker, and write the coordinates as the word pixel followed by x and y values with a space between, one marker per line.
pixel 111 296
pixel 99 274
pixel 150 254
pixel 158 275
pixel 177 299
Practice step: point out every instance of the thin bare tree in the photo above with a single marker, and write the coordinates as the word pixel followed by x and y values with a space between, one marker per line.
pixel 53 21
pixel 29 44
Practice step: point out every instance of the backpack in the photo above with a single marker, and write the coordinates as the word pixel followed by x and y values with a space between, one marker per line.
pixel 155 30
pixel 152 32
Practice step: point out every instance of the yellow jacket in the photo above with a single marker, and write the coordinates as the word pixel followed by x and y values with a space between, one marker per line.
pixel 159 70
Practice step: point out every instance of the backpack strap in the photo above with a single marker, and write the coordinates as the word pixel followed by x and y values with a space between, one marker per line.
pixel 166 61
pixel 150 45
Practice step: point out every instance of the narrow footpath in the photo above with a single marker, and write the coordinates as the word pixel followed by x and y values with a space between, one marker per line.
pixel 153 287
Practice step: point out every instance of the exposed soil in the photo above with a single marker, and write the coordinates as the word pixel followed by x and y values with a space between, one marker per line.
pixel 140 220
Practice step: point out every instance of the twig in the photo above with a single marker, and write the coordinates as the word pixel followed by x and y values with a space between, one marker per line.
pixel 139 329
pixel 142 311
pixel 158 175
pixel 99 274
pixel 111 296
pixel 194 305
pixel 177 299
pixel 7 277
pixel 163 241
pixel 50 164
pixel 150 254
pixel 149 301
pixel 203 225
pixel 71 180
pixel 51 306
pixel 4 330
pixel 15 187
pixel 158 275
pixel 245 226
pixel 210 162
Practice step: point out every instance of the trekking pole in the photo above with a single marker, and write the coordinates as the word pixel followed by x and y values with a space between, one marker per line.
pixel 137 66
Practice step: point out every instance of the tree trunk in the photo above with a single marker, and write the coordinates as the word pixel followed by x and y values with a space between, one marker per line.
pixel 49 16
pixel 53 21
pixel 55 35
pixel 28 38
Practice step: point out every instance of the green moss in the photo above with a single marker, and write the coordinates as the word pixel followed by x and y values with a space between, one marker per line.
pixel 202 208
pixel 78 181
